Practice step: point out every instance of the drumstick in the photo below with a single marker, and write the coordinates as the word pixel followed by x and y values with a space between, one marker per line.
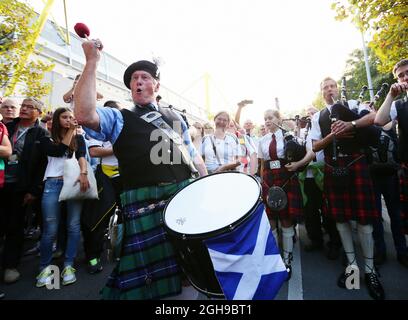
pixel 83 32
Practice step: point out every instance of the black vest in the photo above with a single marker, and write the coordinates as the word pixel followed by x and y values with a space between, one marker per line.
pixel 345 146
pixel 133 147
pixel 402 114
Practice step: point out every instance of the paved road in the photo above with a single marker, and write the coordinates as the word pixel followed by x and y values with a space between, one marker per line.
pixel 314 278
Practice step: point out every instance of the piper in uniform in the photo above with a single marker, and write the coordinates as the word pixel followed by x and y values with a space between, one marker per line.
pixel 348 190
pixel 398 110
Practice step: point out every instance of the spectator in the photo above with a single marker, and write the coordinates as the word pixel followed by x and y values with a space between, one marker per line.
pixel 63 144
pixel 221 149
pixel 68 97
pixel 9 109
pixel 23 176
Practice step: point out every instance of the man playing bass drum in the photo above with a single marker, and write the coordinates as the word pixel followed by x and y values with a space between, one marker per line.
pixel 348 190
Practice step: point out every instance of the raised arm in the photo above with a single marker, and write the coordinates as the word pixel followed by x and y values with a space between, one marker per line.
pixel 85 91
pixel 383 114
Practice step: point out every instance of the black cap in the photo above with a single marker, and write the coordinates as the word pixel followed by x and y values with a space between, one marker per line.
pixel 143 65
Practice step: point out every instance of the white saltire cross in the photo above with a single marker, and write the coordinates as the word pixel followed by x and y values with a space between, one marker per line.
pixel 252 266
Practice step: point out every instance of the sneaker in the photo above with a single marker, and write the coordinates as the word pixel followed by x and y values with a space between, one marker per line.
pixel 2 295
pixel 11 275
pixel 68 275
pixel 94 266
pixel 44 278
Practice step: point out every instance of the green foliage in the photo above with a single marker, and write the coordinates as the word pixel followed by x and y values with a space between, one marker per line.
pixel 17 38
pixel 318 102
pixel 356 76
pixel 387 21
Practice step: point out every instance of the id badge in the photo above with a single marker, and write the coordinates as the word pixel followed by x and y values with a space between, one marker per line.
pixel 13 159
pixel 274 164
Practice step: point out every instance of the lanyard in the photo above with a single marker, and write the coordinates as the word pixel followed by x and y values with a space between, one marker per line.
pixel 16 138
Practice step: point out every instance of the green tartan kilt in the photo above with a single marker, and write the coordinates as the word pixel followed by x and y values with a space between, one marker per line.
pixel 147 268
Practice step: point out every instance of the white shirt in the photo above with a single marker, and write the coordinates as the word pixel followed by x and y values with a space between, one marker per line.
pixel 108 160
pixel 55 167
pixel 393 111
pixel 265 141
pixel 227 149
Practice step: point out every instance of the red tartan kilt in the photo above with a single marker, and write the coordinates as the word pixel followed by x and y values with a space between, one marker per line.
pixel 356 199
pixel 404 196
pixel 278 177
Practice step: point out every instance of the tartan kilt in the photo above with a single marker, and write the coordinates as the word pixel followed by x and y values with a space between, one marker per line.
pixel 403 178
pixel 353 199
pixel 147 268
pixel 278 177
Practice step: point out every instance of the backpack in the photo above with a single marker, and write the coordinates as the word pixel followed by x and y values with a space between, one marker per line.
pixel 383 159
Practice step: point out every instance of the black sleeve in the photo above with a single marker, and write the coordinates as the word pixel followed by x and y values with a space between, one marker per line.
pixel 52 149
pixel 81 146
pixel 37 164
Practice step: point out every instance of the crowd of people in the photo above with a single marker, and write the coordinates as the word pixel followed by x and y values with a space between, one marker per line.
pixel 336 185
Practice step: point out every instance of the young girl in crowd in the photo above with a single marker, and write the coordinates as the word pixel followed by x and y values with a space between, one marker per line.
pixel 64 143
pixel 277 172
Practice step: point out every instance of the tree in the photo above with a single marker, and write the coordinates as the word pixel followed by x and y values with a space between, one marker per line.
pixel 355 73
pixel 17 37
pixel 387 20
pixel 318 101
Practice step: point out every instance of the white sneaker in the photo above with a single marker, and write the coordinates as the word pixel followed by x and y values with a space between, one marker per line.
pixel 44 277
pixel 11 275
pixel 68 275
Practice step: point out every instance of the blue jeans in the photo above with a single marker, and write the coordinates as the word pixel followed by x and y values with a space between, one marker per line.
pixel 388 186
pixel 51 211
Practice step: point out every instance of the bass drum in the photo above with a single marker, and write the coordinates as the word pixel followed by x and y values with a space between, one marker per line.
pixel 208 207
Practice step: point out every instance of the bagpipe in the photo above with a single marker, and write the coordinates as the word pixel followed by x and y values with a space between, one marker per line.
pixel 294 147
pixel 366 136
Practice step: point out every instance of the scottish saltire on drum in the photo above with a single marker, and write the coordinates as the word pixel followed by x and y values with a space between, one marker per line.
pixel 223 239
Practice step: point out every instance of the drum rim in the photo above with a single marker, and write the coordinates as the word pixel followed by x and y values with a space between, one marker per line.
pixel 222 230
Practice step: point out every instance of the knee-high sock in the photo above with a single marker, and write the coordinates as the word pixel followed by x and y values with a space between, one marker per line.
pixel 275 235
pixel 287 243
pixel 347 241
pixel 365 234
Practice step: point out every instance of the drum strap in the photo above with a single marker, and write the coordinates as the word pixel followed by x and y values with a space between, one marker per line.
pixel 215 151
pixel 155 118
